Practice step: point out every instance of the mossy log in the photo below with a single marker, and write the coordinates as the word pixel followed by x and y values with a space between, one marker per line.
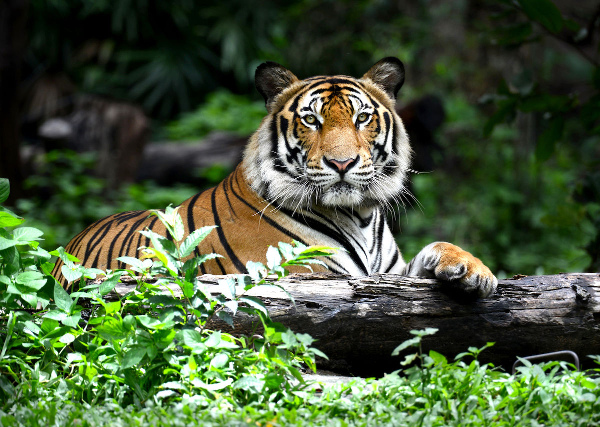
pixel 358 321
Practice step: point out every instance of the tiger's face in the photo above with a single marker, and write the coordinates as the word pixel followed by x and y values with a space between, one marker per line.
pixel 331 141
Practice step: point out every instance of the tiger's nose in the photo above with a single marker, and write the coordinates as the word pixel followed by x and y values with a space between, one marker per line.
pixel 341 166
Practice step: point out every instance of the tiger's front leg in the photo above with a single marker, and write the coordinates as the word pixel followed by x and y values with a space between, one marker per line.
pixel 445 261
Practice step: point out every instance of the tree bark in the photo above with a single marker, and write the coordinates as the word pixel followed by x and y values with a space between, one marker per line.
pixel 359 321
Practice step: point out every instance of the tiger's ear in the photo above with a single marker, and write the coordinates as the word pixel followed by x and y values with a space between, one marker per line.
pixel 387 74
pixel 271 79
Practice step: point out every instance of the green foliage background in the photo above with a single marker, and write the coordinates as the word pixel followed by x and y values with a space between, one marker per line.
pixel 517 179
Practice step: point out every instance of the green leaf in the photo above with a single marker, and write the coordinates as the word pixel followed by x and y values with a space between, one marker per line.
pixel 409 359
pixel 8 220
pixel 70 273
pixel 163 394
pixel 212 387
pixel 543 12
pixel 193 339
pixel 133 356
pixel 254 302
pixel 227 287
pixel 67 338
pixel 112 329
pixel 319 353
pixel 187 288
pixel 424 332
pixel 256 270
pixel 273 257
pixel 225 317
pixel 56 315
pixel 112 307
pixel 12 319
pixel 72 320
pixel 31 279
pixel 193 240
pixel 32 327
pixel 129 322
pixel 219 360
pixel 249 382
pixel 213 340
pixel 67 258
pixel 438 359
pixel 152 323
pixel 4 189
pixel 109 284
pixel 514 35
pixel 7 243
pixel 232 305
pixel 62 299
pixel 413 342
pixel 31 298
pixel 11 259
pixel 27 234
pixel 286 250
pixel 137 264
pixel 548 138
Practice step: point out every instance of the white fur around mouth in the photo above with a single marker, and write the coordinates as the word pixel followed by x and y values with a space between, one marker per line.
pixel 341 194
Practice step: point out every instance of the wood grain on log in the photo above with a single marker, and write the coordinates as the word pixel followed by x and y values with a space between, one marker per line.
pixel 359 321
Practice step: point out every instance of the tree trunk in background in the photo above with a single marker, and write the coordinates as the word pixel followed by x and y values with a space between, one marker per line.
pixel 13 39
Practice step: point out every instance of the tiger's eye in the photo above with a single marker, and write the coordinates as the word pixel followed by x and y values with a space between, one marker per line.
pixel 310 119
pixel 362 117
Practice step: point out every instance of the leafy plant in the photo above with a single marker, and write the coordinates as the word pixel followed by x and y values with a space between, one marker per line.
pixel 147 345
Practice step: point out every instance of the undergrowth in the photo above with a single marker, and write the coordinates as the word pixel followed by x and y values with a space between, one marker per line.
pixel 149 356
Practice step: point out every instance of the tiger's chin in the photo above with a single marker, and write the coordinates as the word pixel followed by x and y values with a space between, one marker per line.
pixel 342 195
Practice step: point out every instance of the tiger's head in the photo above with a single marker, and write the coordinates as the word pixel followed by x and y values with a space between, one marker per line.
pixel 330 141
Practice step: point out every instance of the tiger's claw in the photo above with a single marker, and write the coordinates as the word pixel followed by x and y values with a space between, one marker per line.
pixel 448 262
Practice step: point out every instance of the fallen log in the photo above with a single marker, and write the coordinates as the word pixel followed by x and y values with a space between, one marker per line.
pixel 359 321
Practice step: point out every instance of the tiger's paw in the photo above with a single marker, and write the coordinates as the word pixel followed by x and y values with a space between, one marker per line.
pixel 450 263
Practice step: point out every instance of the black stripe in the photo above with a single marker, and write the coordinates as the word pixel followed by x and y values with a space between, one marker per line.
pixel 368 95
pixel 76 241
pixel 277 163
pixel 91 244
pixel 378 243
pixel 333 81
pixel 265 217
pixel 334 226
pixel 331 233
pixel 95 262
pixel 223 269
pixel 228 179
pixel 393 261
pixel 228 249
pixel 126 216
pixel 129 237
pixel 293 153
pixel 190 212
pixel 111 247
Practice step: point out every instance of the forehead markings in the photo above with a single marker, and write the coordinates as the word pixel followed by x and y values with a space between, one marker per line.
pixel 350 88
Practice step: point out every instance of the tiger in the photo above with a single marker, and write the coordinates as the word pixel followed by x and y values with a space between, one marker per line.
pixel 327 163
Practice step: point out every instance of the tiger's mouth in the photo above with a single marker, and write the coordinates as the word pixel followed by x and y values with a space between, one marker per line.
pixel 342 193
